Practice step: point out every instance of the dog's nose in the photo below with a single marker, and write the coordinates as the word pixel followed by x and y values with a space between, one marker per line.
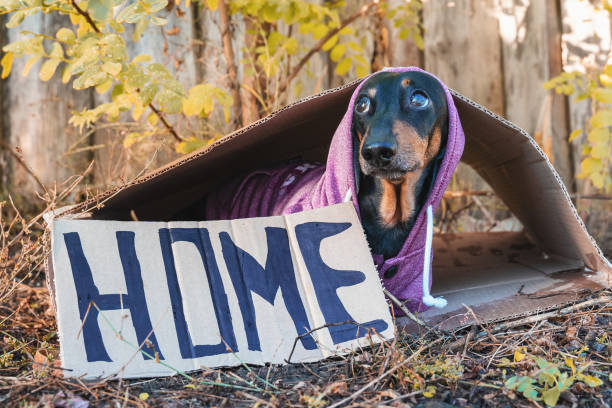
pixel 378 154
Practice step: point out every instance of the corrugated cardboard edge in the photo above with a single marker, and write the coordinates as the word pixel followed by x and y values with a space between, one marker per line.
pixel 606 264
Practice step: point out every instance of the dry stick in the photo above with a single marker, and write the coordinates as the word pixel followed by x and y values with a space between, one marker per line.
pixel 20 160
pixel 404 309
pixel 230 60
pixel 362 11
pixel 386 373
pixel 160 115
pixel 308 333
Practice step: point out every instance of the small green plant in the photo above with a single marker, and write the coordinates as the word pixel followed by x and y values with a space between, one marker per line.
pixel 548 382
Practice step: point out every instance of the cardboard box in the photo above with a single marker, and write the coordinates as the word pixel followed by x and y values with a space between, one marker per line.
pixel 499 275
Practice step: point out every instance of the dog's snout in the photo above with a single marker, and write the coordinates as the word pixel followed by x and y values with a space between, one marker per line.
pixel 378 154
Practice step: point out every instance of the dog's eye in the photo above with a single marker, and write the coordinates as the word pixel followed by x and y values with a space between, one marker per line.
pixel 362 105
pixel 419 99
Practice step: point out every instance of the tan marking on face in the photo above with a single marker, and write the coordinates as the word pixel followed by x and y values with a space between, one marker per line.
pixel 372 93
pixel 359 137
pixel 398 199
pixel 405 82
pixel 388 210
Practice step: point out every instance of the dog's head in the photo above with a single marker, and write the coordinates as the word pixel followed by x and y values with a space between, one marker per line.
pixel 400 121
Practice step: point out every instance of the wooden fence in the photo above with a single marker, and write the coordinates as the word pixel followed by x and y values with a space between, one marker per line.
pixel 497 52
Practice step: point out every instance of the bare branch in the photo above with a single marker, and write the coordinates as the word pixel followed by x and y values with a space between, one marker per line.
pixel 296 70
pixel 230 60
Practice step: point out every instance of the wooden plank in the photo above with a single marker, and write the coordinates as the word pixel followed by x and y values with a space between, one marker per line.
pixel 462 48
pixel 36 116
pixel 530 35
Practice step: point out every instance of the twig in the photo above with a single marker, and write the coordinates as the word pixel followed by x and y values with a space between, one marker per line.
pixel 94 27
pixel 298 67
pixel 230 60
pixel 386 373
pixel 308 333
pixel 20 160
pixel 404 309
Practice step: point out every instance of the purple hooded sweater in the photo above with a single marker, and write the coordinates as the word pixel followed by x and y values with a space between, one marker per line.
pixel 298 186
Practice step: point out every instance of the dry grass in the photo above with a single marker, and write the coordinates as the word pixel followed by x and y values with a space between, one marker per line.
pixel 468 367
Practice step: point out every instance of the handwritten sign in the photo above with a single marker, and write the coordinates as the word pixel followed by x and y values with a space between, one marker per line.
pixel 144 299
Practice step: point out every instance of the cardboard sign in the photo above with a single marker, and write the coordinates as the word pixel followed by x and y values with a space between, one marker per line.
pixel 143 299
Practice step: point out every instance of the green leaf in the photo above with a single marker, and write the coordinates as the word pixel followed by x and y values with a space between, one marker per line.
pixel 142 58
pixel 551 396
pixel 6 63
pixel 574 134
pixel 65 35
pixel 16 19
pixel 602 118
pixel 57 51
pixel 29 63
pixel 337 52
pixel 113 68
pixel 48 69
pixel 590 380
pixel 104 86
pixel 189 145
pixel 100 10
pixel 344 66
pixel 603 95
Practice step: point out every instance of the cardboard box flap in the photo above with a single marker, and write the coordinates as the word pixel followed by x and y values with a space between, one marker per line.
pixel 504 155
pixel 521 174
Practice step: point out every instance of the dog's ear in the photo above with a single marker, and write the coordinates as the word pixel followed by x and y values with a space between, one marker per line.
pixel 356 166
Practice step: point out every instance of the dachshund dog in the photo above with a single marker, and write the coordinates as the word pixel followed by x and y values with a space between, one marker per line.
pixel 399 130
pixel 400 126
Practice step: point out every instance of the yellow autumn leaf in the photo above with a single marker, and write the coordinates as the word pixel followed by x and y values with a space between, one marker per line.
pixel 602 118
pixel 142 58
pixel 603 95
pixel 337 52
pixel 591 381
pixel 590 165
pixel 606 80
pixel 570 363
pixel 212 4
pixel 600 151
pixel 104 86
pixel 7 63
pixel 48 69
pixel 343 66
pixel 112 68
pixel 574 134
pixel 519 354
pixel 143 396
pixel 599 135
pixel 597 179
pixel 430 391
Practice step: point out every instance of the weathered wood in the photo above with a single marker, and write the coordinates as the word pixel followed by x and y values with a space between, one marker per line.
pixel 530 35
pixel 462 47
pixel 36 116
pixel 402 52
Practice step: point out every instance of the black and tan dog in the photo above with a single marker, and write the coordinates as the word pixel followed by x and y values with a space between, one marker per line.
pixel 400 126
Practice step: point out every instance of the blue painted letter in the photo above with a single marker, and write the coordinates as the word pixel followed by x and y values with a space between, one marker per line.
pixel 201 239
pixel 249 276
pixel 327 280
pixel 88 292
